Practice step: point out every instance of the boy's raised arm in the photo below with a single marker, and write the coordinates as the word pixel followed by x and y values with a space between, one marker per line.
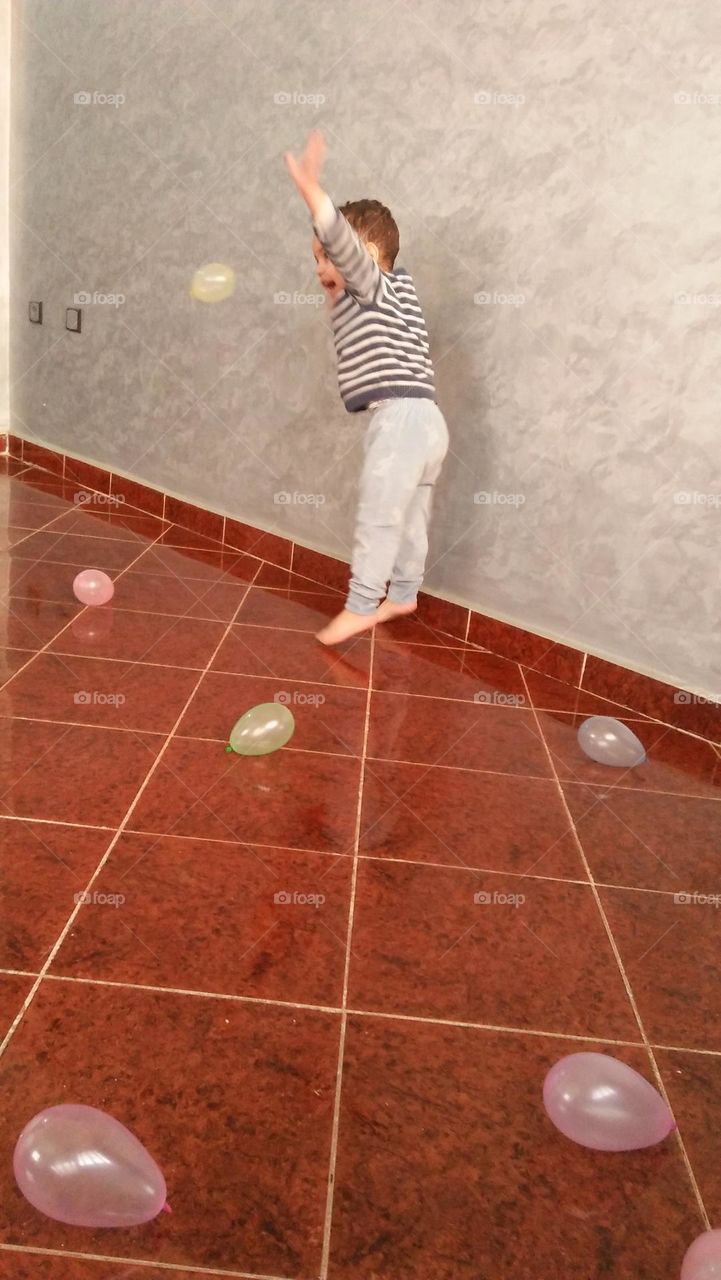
pixel 361 273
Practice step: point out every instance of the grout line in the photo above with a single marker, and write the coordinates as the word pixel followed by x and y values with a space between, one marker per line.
pixel 118 1260
pixel 197 993
pixel 395 1016
pixel 627 984
pixel 583 668
pixel 339 1011
pixel 325 1258
pixel 243 845
pixel 153 767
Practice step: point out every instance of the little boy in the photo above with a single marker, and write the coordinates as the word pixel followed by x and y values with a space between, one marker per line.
pixel 383 365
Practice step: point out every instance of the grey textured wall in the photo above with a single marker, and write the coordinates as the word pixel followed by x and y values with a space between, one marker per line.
pixel 559 161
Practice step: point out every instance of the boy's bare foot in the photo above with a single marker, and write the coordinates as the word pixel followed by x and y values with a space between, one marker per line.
pixel 345 625
pixel 390 609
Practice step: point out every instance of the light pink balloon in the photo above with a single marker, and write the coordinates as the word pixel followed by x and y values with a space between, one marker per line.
pixel 604 1104
pixel 92 586
pixel 81 1166
pixel 703 1259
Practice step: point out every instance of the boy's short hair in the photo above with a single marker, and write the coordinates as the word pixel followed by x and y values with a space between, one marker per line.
pixel 372 221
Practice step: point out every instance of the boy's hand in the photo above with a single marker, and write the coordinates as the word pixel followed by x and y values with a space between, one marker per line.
pixel 306 171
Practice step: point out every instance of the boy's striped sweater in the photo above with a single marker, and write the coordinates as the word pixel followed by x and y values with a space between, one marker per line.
pixel 378 327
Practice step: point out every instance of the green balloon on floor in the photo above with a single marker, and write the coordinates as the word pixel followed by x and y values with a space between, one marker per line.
pixel 261 730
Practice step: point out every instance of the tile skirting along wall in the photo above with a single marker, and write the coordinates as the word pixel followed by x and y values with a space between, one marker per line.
pixel 641 693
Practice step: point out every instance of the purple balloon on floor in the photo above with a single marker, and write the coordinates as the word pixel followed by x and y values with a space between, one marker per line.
pixel 703 1259
pixel 611 742
pixel 78 1165
pixel 604 1104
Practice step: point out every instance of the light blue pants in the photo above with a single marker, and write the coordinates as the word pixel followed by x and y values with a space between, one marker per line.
pixel 405 443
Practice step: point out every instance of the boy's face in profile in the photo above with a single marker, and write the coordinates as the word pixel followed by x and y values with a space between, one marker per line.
pixel 328 275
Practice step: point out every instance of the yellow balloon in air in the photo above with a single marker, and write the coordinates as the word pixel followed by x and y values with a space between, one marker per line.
pixel 213 282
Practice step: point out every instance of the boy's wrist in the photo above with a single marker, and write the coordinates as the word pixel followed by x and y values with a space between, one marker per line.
pixel 315 198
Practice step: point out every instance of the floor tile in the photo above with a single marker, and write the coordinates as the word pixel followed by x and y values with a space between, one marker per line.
pixel 67 548
pixel 432 731
pixel 191 597
pixel 11 660
pixel 476 947
pixel 293 655
pixel 292 798
pixel 415 629
pixel 25 513
pixel 71 773
pixel 671 951
pixel 327 718
pixel 30 624
pixel 234 1101
pixel 68 688
pixel 14 988
pixel 272 575
pixel 96 520
pixel 548 694
pixel 142 637
pixel 646 839
pixel 449 1169
pixel 43 865
pixel 197 562
pixel 297 610
pixel 220 917
pixel 448 673
pixel 12 535
pixel 693 1083
pixel 464 818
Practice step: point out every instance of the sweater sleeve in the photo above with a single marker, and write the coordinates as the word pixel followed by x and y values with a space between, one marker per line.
pixel 361 274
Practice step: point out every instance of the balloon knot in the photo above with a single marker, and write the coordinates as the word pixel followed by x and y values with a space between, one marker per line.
pixel 166 1208
pixel 228 748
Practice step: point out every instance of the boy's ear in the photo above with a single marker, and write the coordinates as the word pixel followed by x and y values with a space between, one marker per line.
pixel 372 249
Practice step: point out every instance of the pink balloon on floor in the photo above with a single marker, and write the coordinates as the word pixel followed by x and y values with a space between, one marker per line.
pixel 703 1259
pixel 92 586
pixel 78 1165
pixel 604 1104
